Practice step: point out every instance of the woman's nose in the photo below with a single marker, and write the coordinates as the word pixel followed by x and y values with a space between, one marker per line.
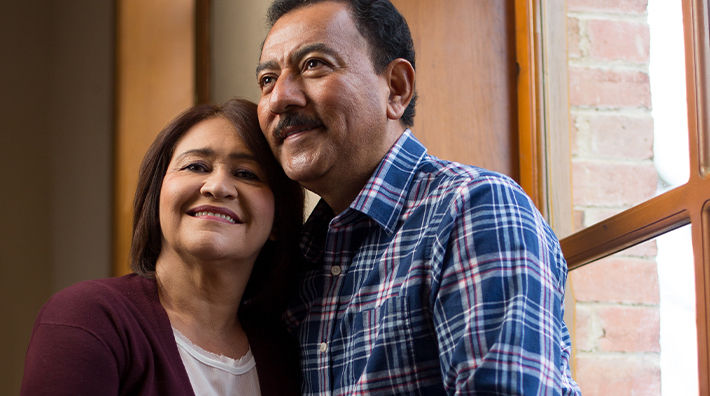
pixel 219 185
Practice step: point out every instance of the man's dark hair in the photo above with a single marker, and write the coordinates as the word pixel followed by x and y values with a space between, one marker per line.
pixel 269 275
pixel 379 22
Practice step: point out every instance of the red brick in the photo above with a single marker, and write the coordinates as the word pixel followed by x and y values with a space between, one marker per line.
pixel 614 6
pixel 603 328
pixel 587 329
pixel 578 219
pixel 630 329
pixel 613 136
pixel 574 38
pixel 612 184
pixel 617 280
pixel 622 375
pixel 609 88
pixel 618 40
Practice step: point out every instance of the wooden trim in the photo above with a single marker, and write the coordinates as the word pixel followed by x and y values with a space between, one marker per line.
pixel 203 51
pixel 543 116
pixel 528 129
pixel 701 237
pixel 701 34
pixel 695 15
pixel 155 73
pixel 556 173
pixel 638 224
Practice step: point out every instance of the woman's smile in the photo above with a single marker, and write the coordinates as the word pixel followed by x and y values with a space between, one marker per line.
pixel 220 214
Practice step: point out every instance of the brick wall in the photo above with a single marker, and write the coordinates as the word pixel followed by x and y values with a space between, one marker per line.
pixel 617 299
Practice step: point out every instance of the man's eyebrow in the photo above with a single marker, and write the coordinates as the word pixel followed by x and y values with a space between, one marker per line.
pixel 266 65
pixel 298 54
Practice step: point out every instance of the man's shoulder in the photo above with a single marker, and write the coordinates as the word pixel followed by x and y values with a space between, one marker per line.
pixel 454 176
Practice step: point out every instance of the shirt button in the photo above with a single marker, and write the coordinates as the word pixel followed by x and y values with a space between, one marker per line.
pixel 336 270
pixel 323 347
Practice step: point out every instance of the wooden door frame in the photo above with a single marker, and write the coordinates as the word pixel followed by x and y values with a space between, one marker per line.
pixel 155 80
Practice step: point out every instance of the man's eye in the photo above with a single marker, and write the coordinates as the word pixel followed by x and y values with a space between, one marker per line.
pixel 266 81
pixel 312 63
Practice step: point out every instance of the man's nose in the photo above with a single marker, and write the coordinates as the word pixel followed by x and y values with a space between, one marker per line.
pixel 287 93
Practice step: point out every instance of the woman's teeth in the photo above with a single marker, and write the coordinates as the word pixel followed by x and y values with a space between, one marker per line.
pixel 221 216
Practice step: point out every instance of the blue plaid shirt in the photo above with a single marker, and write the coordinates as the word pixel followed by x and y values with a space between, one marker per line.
pixel 440 278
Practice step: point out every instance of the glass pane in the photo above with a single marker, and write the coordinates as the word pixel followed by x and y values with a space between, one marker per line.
pixel 635 329
pixel 627 104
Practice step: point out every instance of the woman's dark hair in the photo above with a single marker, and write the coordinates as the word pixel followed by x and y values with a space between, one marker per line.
pixel 271 265
pixel 379 22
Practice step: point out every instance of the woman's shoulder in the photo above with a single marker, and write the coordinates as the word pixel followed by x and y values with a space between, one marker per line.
pixel 90 301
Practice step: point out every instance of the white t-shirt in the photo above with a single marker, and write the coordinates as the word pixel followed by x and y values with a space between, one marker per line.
pixel 216 375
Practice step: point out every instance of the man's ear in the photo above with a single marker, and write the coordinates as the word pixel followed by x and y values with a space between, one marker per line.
pixel 400 78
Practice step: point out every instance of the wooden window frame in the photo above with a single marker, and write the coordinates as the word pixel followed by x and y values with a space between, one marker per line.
pixel 542 115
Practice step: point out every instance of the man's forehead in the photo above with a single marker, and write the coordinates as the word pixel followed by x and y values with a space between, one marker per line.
pixel 325 22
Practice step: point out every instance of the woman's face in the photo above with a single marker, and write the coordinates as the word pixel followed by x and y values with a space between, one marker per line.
pixel 215 202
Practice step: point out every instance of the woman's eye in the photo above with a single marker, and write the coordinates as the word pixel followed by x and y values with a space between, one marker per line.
pixel 245 174
pixel 196 167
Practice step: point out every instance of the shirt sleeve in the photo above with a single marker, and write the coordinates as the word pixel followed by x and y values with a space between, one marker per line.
pixel 498 300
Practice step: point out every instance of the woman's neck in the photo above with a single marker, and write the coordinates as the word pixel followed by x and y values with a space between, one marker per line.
pixel 202 301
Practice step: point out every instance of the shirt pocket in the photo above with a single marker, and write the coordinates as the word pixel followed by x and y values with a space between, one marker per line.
pixel 383 352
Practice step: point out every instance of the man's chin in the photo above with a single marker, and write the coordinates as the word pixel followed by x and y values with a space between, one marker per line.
pixel 306 175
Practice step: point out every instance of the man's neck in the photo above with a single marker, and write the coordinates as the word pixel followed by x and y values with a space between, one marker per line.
pixel 341 192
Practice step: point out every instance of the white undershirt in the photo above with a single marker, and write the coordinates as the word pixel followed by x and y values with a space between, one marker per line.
pixel 216 375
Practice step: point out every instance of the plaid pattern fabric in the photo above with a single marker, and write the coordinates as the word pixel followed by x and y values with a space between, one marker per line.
pixel 440 278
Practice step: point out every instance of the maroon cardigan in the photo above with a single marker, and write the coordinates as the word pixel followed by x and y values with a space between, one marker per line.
pixel 112 336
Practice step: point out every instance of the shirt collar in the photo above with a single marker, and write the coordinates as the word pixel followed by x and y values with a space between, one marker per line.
pixel 382 198
pixel 384 195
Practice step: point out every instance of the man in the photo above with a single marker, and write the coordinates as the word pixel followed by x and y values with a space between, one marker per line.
pixel 422 276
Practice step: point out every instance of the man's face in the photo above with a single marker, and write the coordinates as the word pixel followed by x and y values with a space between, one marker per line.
pixel 322 107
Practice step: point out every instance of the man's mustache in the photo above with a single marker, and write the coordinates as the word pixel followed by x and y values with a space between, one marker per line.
pixel 295 120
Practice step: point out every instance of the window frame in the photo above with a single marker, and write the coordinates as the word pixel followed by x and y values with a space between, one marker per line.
pixel 542 77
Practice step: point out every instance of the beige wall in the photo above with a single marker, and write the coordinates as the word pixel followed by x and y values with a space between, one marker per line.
pixel 237 27
pixel 55 156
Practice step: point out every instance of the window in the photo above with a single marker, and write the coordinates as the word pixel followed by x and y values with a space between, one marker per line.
pixel 659 210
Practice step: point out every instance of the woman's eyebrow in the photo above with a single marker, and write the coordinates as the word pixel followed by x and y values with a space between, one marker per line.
pixel 206 152
pixel 202 152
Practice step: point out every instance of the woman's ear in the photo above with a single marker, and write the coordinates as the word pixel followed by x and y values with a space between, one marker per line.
pixel 400 78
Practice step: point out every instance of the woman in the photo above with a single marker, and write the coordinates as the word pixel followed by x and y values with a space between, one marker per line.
pixel 203 307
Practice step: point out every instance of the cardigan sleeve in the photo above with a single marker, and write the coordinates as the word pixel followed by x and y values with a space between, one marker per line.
pixel 65 359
